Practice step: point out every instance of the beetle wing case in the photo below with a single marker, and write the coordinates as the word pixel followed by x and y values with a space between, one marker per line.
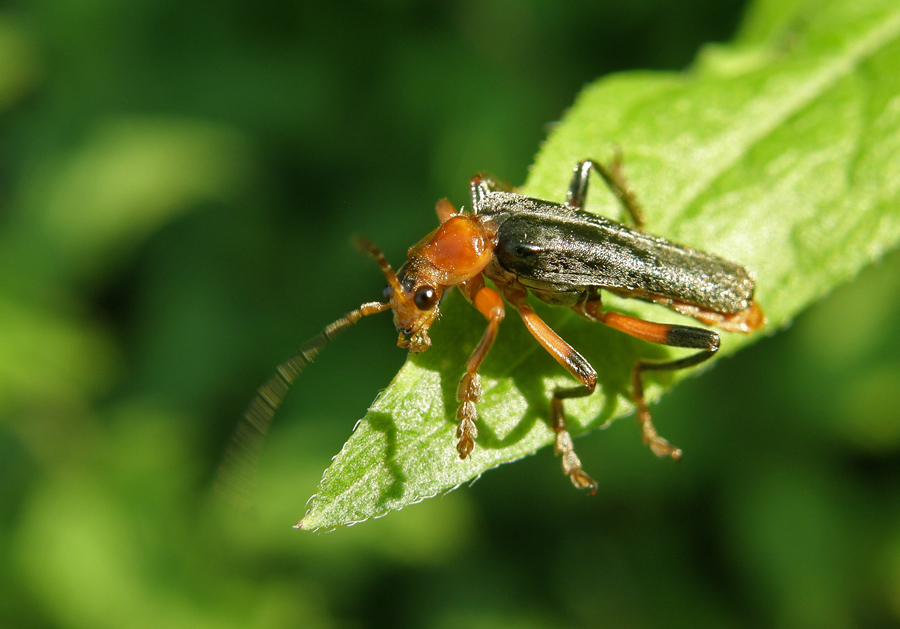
pixel 555 248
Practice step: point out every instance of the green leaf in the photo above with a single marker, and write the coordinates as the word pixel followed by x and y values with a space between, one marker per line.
pixel 780 151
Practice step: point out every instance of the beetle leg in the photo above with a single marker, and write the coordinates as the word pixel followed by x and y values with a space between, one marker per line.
pixel 576 365
pixel 479 187
pixel 444 209
pixel 746 320
pixel 688 337
pixel 613 177
pixel 489 303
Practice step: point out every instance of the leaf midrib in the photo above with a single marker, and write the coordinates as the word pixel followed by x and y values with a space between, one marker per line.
pixel 732 149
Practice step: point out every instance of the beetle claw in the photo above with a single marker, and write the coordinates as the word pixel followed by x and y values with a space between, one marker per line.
pixel 466 433
pixel 660 446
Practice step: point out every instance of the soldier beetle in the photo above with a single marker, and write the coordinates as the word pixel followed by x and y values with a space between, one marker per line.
pixel 564 256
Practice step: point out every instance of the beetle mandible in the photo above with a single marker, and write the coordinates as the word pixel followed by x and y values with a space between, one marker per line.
pixel 564 256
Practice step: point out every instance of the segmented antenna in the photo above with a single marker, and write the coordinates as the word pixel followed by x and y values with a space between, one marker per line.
pixel 238 471
pixel 367 246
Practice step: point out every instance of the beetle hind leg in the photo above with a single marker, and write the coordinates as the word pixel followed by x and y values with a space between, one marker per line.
pixel 658 445
pixel 684 336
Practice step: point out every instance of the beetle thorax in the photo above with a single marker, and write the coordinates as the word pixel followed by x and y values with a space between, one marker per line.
pixel 456 251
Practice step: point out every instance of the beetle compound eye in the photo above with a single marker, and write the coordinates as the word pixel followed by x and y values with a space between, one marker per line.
pixel 425 298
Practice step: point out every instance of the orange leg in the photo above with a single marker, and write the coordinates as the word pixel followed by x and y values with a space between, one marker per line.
pixel 576 365
pixel 706 341
pixel 489 303
pixel 444 209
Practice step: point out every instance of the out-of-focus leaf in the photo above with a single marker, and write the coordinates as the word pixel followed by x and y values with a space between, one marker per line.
pixel 19 67
pixel 48 358
pixel 129 177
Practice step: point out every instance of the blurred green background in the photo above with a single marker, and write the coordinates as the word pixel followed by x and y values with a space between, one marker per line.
pixel 179 184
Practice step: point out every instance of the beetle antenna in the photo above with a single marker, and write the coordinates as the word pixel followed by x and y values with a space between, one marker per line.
pixel 372 249
pixel 238 470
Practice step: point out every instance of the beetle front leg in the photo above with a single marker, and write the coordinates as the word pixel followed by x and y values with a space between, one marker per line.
pixel 444 209
pixel 489 303
pixel 684 336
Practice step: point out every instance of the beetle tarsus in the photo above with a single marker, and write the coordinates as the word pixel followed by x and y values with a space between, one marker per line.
pixel 565 448
pixel 660 446
pixel 466 433
pixel 468 393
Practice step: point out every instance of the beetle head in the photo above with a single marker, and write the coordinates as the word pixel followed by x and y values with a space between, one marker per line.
pixel 416 305
pixel 455 252
pixel 412 298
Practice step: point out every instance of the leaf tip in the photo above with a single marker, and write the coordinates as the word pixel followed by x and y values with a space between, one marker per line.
pixel 306 524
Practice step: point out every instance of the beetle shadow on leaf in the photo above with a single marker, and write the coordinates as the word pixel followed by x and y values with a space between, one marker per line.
pixel 384 423
pixel 517 367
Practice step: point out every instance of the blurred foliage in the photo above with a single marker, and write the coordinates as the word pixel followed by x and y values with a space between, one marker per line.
pixel 179 182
